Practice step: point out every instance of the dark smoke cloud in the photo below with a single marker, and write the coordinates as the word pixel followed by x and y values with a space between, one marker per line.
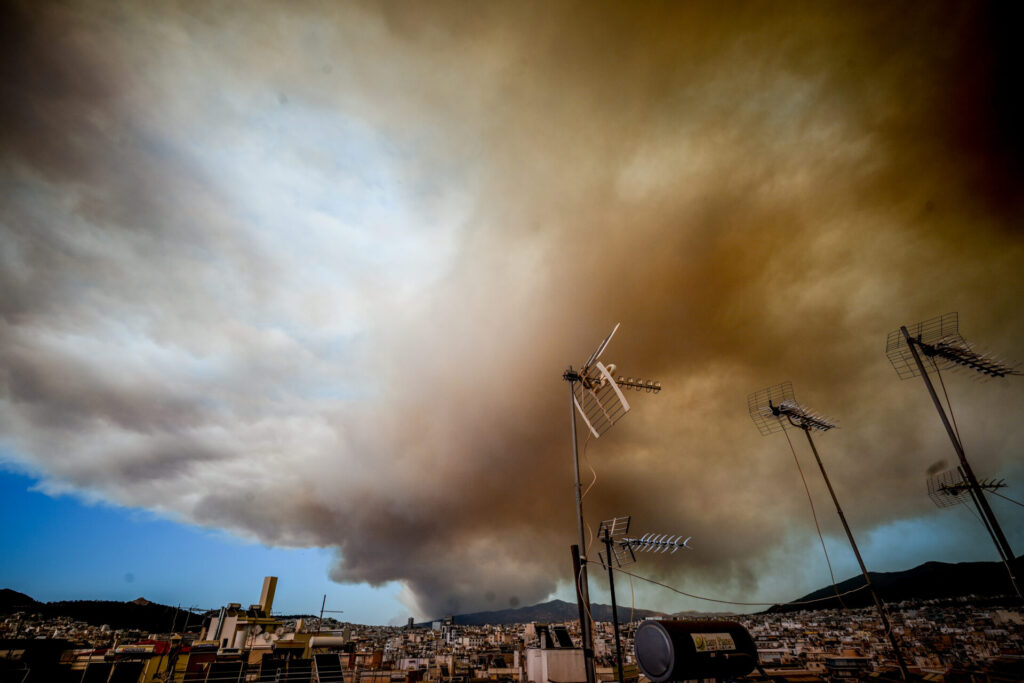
pixel 756 195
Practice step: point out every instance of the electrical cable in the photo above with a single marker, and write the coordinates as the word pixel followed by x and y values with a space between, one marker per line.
pixel 592 470
pixel 579 591
pixel 590 531
pixel 632 600
pixel 1015 502
pixel 949 406
pixel 974 513
pixel 732 602
pixel 956 430
pixel 814 514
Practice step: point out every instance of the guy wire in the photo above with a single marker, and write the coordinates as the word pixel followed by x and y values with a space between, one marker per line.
pixel 579 589
pixel 1015 502
pixel 815 515
pixel 974 514
pixel 590 531
pixel 732 602
pixel 592 470
pixel 949 406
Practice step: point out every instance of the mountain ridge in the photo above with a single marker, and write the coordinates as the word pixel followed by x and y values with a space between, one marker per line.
pixel 550 611
pixel 927 581
pixel 930 580
pixel 139 614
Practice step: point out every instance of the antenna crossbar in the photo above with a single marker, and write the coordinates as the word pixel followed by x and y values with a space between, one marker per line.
pixel 940 340
pixel 639 384
pixel 963 486
pixel 950 488
pixel 622 549
pixel 961 353
pixel 800 416
pixel 659 543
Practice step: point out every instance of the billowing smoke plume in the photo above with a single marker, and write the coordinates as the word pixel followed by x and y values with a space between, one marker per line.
pixel 312 274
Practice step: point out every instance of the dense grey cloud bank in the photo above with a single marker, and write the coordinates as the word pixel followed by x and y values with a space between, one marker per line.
pixel 312 275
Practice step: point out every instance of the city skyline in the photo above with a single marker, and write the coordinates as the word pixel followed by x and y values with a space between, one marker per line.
pixel 296 289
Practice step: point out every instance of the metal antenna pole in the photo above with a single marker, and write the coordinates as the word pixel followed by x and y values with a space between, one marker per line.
pixel 879 605
pixel 601 404
pixel 978 494
pixel 581 580
pixel 615 610
pixel 576 567
pixel 988 527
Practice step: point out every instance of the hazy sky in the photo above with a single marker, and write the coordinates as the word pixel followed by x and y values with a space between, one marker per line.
pixel 309 274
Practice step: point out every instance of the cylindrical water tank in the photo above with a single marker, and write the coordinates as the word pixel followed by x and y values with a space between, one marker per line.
pixel 327 641
pixel 669 650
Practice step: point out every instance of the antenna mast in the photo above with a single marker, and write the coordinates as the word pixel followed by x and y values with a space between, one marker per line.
pixel 596 395
pixel 775 409
pixel 939 340
pixel 618 548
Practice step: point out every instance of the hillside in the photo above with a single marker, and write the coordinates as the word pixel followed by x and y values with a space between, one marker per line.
pixel 13 601
pixel 929 581
pixel 140 615
pixel 553 611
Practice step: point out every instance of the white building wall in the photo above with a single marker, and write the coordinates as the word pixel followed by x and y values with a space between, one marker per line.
pixel 560 665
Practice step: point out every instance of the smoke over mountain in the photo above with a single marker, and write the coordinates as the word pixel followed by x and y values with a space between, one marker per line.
pixel 312 273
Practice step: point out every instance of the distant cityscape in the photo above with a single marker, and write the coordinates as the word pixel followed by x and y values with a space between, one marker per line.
pixel 967 639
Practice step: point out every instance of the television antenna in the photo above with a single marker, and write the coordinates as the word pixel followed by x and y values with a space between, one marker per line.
pixel 940 341
pixel 323 610
pixel 775 409
pixel 951 487
pixel 620 550
pixel 597 396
